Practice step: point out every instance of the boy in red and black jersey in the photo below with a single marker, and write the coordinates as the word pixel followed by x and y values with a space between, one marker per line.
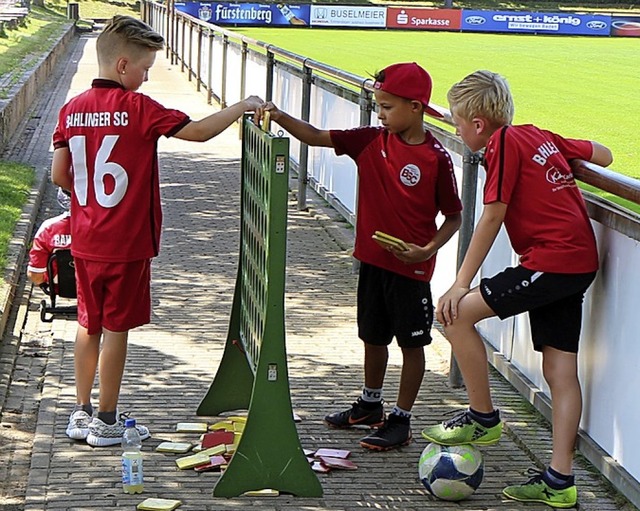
pixel 531 190
pixel 405 179
pixel 106 153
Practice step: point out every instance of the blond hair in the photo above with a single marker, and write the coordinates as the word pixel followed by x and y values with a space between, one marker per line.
pixel 482 94
pixel 126 35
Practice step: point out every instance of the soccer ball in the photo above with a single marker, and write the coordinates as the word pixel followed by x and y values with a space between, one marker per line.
pixel 451 473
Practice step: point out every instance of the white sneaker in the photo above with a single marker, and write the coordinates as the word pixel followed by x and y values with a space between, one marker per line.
pixel 103 435
pixel 78 427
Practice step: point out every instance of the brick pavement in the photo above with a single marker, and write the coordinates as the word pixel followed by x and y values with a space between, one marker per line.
pixel 172 361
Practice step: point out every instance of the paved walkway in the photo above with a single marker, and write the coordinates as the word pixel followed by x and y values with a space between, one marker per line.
pixel 172 361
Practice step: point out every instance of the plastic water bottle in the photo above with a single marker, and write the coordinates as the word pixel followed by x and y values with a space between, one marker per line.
pixel 132 476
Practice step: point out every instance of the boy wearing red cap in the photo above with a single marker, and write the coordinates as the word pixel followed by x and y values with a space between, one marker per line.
pixel 530 188
pixel 405 179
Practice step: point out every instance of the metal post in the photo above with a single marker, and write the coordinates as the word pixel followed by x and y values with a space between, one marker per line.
pixel 223 92
pixel 270 68
pixel 210 69
pixel 172 31
pixel 470 163
pixel 199 64
pixel 190 63
pixel 366 107
pixel 303 178
pixel 243 69
pixel 183 33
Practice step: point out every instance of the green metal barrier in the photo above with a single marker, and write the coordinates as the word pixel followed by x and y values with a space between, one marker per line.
pixel 253 372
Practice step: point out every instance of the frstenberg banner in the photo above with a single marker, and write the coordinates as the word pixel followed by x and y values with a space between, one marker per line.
pixel 260 15
pixel 348 16
pixel 423 19
pixel 535 22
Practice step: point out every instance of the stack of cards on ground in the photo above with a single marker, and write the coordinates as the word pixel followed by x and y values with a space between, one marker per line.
pixel 152 504
pixel 324 460
pixel 217 444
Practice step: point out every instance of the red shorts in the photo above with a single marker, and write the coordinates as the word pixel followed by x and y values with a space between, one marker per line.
pixel 116 296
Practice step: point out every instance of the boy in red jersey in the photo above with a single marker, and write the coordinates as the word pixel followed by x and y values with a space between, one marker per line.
pixel 531 190
pixel 53 234
pixel 405 179
pixel 105 152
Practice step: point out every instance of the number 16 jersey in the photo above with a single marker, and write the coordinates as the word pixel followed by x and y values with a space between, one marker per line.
pixel 112 134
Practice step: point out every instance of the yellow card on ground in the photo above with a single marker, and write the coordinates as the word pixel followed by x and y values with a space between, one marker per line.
pixel 192 461
pixel 226 425
pixel 262 493
pixel 158 504
pixel 215 450
pixel 191 427
pixel 174 447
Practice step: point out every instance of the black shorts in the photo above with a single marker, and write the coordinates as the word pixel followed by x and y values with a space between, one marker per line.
pixel 553 300
pixel 393 305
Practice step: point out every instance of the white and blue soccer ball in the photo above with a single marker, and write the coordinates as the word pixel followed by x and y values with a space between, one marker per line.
pixel 451 473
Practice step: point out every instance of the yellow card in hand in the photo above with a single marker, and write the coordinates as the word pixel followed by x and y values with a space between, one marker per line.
pixel 386 240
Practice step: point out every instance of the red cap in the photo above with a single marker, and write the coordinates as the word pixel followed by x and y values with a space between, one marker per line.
pixel 410 81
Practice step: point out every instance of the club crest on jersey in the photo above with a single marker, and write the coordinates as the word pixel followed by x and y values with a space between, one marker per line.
pixel 410 175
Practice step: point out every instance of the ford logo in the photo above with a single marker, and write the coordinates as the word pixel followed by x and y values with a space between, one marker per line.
pixel 475 20
pixel 596 25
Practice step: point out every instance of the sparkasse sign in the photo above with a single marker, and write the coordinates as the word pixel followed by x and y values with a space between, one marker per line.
pixel 423 19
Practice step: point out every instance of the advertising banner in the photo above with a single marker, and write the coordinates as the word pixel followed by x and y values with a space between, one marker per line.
pixel 260 15
pixel 626 26
pixel 348 16
pixel 536 22
pixel 423 19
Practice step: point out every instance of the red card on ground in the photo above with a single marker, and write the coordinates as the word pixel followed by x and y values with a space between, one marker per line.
pixel 214 463
pixel 338 463
pixel 217 437
pixel 332 453
pixel 318 466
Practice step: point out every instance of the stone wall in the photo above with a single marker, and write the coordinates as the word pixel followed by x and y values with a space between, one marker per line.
pixel 14 109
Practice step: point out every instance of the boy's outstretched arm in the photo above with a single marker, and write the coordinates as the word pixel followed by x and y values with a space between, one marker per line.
pixel 481 242
pixel 214 124
pixel 601 155
pixel 300 129
pixel 61 168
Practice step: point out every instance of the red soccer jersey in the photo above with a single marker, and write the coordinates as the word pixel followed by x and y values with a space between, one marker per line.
pixel 401 189
pixel 53 234
pixel 546 219
pixel 112 134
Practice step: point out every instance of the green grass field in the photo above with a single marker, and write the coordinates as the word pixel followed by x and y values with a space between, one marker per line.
pixel 582 87
pixel 15 183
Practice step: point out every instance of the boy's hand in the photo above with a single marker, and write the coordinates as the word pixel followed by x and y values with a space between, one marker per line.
pixel 273 110
pixel 447 309
pixel 253 103
pixel 415 254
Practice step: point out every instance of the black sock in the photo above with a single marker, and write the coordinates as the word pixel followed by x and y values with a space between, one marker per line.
pixel 107 417
pixel 488 420
pixel 556 480
pixel 85 408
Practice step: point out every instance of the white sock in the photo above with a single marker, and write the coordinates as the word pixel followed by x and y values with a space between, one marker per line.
pixel 371 395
